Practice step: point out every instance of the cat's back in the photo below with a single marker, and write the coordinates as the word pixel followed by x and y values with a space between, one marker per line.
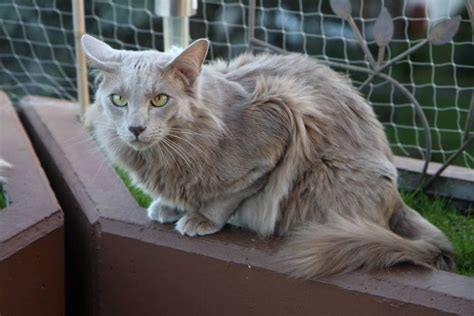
pixel 314 91
pixel 248 68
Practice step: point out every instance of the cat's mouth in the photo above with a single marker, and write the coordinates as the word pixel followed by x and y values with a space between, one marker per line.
pixel 140 144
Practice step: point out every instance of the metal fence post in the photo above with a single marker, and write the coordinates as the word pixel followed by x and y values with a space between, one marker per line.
pixel 175 15
pixel 81 65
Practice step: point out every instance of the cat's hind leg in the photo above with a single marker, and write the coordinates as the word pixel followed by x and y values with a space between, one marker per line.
pixel 163 213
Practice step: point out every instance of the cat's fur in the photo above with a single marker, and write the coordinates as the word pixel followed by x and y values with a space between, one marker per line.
pixel 276 144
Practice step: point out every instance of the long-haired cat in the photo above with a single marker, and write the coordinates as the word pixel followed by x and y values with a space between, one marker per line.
pixel 276 144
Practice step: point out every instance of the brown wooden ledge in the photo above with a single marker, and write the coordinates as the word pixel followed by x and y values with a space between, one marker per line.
pixel 124 264
pixel 31 229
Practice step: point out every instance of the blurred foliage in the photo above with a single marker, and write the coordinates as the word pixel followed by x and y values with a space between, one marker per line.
pixel 3 202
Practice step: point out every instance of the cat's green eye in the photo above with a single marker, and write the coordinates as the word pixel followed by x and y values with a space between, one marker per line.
pixel 118 100
pixel 160 100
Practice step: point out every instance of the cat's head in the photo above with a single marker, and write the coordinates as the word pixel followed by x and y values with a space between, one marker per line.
pixel 144 93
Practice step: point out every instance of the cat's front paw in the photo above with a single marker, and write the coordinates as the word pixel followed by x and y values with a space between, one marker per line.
pixel 193 224
pixel 162 213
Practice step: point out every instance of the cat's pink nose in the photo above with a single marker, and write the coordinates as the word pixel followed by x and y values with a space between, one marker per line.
pixel 136 130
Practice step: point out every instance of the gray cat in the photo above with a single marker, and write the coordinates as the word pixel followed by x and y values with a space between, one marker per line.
pixel 276 144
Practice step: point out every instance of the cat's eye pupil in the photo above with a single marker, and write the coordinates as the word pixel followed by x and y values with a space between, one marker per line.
pixel 159 100
pixel 118 100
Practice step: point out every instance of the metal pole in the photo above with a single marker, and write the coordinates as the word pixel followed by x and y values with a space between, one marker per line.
pixel 175 14
pixel 448 162
pixel 81 65
pixel 251 26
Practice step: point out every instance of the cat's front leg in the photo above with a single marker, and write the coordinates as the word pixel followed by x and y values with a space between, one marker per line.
pixel 163 213
pixel 196 224
pixel 211 218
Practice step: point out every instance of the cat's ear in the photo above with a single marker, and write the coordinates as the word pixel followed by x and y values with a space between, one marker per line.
pixel 100 55
pixel 189 63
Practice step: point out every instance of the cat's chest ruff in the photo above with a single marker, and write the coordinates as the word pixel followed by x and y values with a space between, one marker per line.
pixel 172 184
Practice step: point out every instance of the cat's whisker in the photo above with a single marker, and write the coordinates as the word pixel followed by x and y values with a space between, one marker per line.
pixel 113 146
pixel 99 169
pixel 158 150
pixel 189 132
pixel 106 126
pixel 172 150
pixel 180 152
pixel 210 133
pixel 185 156
pixel 163 155
pixel 74 138
pixel 81 139
pixel 80 142
pixel 190 143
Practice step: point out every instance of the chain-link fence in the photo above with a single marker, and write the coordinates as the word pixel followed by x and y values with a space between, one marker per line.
pixel 37 53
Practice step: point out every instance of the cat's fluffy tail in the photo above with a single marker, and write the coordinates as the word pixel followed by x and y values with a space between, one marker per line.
pixel 349 245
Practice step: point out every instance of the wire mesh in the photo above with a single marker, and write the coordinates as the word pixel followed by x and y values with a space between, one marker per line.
pixel 37 53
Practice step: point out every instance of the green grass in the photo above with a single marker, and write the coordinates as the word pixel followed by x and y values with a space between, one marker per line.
pixel 458 228
pixel 142 198
pixel 3 202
